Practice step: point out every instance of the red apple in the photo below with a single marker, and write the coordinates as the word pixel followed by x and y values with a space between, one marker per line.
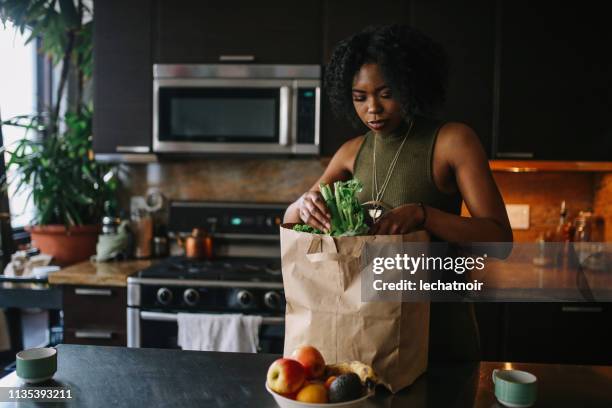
pixel 285 376
pixel 311 359
pixel 293 395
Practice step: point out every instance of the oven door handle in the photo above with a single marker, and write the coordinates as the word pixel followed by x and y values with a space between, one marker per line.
pixel 172 317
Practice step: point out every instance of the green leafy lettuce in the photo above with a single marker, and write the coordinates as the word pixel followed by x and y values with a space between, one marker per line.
pixel 347 215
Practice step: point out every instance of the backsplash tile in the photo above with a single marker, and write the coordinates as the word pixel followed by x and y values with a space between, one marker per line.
pixel 283 180
pixel 253 180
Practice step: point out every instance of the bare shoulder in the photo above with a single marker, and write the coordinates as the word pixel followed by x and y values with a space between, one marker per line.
pixel 347 153
pixel 351 146
pixel 457 134
pixel 457 142
pixel 340 166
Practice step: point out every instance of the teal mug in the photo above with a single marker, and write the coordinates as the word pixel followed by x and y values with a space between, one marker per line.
pixel 514 388
pixel 37 364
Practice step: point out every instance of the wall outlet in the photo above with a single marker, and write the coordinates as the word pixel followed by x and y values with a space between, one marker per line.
pixel 518 215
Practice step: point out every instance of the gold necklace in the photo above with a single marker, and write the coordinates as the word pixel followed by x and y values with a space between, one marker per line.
pixel 378 205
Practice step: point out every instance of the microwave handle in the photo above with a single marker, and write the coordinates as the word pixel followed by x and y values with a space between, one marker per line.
pixel 285 104
pixel 236 58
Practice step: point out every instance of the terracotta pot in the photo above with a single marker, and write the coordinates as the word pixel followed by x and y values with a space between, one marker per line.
pixel 67 246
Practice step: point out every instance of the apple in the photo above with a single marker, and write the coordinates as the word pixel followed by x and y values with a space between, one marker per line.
pixel 293 395
pixel 285 376
pixel 311 359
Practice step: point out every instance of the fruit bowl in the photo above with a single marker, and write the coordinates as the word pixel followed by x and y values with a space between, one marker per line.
pixel 284 402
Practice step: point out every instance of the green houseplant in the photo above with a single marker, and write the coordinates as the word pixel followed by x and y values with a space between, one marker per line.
pixel 69 189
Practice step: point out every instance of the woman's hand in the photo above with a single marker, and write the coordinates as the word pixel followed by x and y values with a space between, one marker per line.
pixel 313 211
pixel 401 220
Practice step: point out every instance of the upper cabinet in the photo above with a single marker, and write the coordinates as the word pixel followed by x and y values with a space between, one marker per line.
pixel 554 82
pixel 341 18
pixel 532 78
pixel 466 30
pixel 209 31
pixel 123 77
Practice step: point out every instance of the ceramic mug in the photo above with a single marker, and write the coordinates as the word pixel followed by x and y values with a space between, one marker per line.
pixel 37 364
pixel 514 388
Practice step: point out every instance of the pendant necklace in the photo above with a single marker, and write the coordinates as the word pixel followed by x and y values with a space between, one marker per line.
pixel 378 207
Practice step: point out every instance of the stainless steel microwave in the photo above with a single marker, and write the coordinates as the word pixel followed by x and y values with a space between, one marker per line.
pixel 236 109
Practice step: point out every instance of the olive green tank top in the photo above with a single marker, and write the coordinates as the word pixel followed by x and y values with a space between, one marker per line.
pixel 453 333
pixel 412 178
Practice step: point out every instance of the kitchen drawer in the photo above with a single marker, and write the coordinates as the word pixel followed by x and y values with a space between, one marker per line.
pixel 95 336
pixel 86 306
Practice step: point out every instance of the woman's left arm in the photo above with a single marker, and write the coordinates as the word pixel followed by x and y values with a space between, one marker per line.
pixel 460 150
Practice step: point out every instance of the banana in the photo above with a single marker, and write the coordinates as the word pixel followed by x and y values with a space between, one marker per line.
pixel 366 373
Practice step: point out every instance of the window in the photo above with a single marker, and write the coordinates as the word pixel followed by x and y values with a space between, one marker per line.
pixel 18 96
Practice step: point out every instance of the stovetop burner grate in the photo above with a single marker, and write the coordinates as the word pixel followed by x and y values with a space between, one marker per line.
pixel 239 269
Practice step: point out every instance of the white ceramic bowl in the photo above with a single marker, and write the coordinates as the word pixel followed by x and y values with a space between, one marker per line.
pixel 284 402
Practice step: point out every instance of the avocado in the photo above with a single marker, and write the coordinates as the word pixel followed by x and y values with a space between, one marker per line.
pixel 346 387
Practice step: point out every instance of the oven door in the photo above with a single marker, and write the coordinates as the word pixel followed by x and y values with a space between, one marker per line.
pixel 222 115
pixel 153 329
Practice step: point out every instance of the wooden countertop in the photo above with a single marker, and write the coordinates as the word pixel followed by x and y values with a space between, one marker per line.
pixel 98 273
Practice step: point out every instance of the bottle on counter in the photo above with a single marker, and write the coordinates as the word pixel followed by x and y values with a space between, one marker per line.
pixel 565 230
pixel 560 237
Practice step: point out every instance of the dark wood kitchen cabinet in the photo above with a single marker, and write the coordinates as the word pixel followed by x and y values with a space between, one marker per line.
pixel 466 30
pixel 554 82
pixel 566 333
pixel 342 18
pixel 123 85
pixel 95 315
pixel 208 31
pixel 489 317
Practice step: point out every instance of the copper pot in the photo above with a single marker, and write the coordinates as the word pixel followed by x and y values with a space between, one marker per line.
pixel 198 245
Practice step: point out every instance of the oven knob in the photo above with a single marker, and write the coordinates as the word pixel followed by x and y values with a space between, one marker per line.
pixel 272 300
pixel 191 297
pixel 164 296
pixel 244 298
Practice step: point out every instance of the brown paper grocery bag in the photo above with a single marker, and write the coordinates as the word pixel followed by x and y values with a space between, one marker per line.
pixel 322 282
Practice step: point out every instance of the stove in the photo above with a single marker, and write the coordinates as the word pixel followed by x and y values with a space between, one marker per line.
pixel 244 276
pixel 227 269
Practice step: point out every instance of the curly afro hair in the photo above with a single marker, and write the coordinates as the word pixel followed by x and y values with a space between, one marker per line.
pixel 414 67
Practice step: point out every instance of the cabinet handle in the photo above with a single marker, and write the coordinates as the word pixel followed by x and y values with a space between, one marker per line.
pixel 515 155
pixel 93 292
pixel 93 334
pixel 236 58
pixel 132 149
pixel 582 309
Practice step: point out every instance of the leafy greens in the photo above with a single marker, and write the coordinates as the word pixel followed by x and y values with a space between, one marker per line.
pixel 347 215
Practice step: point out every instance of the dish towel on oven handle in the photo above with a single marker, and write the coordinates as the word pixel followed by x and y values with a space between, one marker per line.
pixel 218 332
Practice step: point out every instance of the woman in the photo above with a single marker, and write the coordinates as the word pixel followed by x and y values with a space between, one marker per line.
pixel 389 78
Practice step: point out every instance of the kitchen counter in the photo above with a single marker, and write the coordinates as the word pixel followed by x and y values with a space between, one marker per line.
pixel 524 281
pixel 122 377
pixel 98 273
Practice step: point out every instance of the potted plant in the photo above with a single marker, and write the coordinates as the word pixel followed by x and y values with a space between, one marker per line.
pixel 69 189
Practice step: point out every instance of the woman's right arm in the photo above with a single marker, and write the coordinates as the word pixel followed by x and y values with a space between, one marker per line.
pixel 310 207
